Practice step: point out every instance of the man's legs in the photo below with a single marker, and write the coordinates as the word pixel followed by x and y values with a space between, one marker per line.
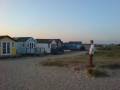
pixel 91 61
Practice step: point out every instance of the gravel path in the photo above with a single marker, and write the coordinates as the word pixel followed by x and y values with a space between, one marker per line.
pixel 27 74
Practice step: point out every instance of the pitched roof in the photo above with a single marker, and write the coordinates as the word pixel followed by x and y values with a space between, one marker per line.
pixel 43 40
pixel 47 40
pixel 21 39
pixel 4 36
pixel 59 40
pixel 75 42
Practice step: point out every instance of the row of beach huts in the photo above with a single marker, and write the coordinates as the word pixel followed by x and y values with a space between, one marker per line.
pixel 19 46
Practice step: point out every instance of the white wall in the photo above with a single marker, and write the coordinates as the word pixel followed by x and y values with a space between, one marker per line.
pixel 46 47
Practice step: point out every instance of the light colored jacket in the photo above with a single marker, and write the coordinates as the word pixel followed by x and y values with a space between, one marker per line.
pixel 92 49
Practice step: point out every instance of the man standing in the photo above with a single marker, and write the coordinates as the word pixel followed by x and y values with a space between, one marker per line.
pixel 91 53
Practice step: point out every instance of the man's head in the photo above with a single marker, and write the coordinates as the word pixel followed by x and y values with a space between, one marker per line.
pixel 91 41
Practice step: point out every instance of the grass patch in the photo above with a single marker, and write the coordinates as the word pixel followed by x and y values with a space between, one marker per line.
pixel 60 62
pixel 112 52
pixel 107 56
pixel 53 63
pixel 91 72
pixel 103 58
pixel 111 66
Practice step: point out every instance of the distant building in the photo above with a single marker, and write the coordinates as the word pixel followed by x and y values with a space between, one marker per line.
pixel 57 46
pixel 49 45
pixel 43 45
pixel 7 46
pixel 25 45
pixel 74 46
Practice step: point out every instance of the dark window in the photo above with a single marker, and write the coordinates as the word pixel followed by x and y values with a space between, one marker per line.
pixel 4 48
pixel 0 44
pixel 32 45
pixel 8 47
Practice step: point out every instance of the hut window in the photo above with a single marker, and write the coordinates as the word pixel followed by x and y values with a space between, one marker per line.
pixel 13 45
pixel 4 47
pixel 8 47
pixel 31 45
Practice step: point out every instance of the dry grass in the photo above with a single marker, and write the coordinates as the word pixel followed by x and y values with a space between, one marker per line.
pixel 95 72
pixel 108 57
pixel 111 66
pixel 65 61
pixel 102 57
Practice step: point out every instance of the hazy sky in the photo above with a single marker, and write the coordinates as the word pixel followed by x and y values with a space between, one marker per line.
pixel 65 19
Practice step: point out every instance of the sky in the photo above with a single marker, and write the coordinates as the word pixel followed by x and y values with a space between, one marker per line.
pixel 78 20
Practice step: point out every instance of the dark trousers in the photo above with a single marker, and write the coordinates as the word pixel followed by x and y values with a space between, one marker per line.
pixel 91 61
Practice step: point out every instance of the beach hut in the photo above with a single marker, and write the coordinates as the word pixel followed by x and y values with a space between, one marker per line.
pixel 57 46
pixel 25 45
pixel 43 46
pixel 74 46
pixel 50 45
pixel 7 46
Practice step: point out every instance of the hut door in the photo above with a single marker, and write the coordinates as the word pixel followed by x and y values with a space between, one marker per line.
pixel 6 48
